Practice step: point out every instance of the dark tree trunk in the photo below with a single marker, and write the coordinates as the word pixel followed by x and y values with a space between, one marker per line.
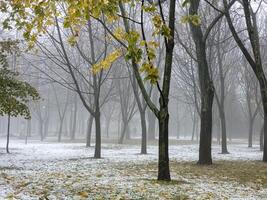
pixel 144 133
pixel 223 129
pixel 8 134
pixel 206 130
pixel 89 130
pixel 206 90
pixel 163 164
pixel 264 102
pixel 163 115
pixel 97 134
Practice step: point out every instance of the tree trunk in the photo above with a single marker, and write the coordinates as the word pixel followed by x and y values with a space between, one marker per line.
pixel 250 133
pixel 151 125
pixel 264 102
pixel 89 130
pixel 74 122
pixel 206 90
pixel 206 130
pixel 261 138
pixel 144 133
pixel 123 131
pixel 219 129
pixel 107 127
pixel 128 132
pixel 194 126
pixel 29 128
pixel 8 134
pixel 97 134
pixel 41 129
pixel 46 127
pixel 223 129
pixel 255 60
pixel 60 130
pixel 163 164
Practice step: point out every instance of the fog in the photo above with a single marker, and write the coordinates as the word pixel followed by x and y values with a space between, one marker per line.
pixel 128 92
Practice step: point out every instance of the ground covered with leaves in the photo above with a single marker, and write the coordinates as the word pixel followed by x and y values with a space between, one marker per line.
pixel 68 171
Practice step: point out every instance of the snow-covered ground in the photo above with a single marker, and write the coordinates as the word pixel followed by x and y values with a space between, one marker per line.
pixel 68 171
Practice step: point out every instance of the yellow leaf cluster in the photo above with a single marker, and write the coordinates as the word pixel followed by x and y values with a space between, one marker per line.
pixel 152 73
pixel 107 62
pixel 194 19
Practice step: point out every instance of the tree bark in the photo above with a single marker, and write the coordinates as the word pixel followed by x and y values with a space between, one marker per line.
pixel 163 164
pixel 264 102
pixel 223 129
pixel 206 90
pixel 97 134
pixel 144 133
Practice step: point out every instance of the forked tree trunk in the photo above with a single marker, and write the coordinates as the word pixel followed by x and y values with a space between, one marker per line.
pixel 206 90
pixel 255 60
pixel 162 113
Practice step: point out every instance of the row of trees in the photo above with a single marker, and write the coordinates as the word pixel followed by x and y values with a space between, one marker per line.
pixel 85 43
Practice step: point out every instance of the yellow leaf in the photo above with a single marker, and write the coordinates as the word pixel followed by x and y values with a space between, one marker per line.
pixel 83 194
